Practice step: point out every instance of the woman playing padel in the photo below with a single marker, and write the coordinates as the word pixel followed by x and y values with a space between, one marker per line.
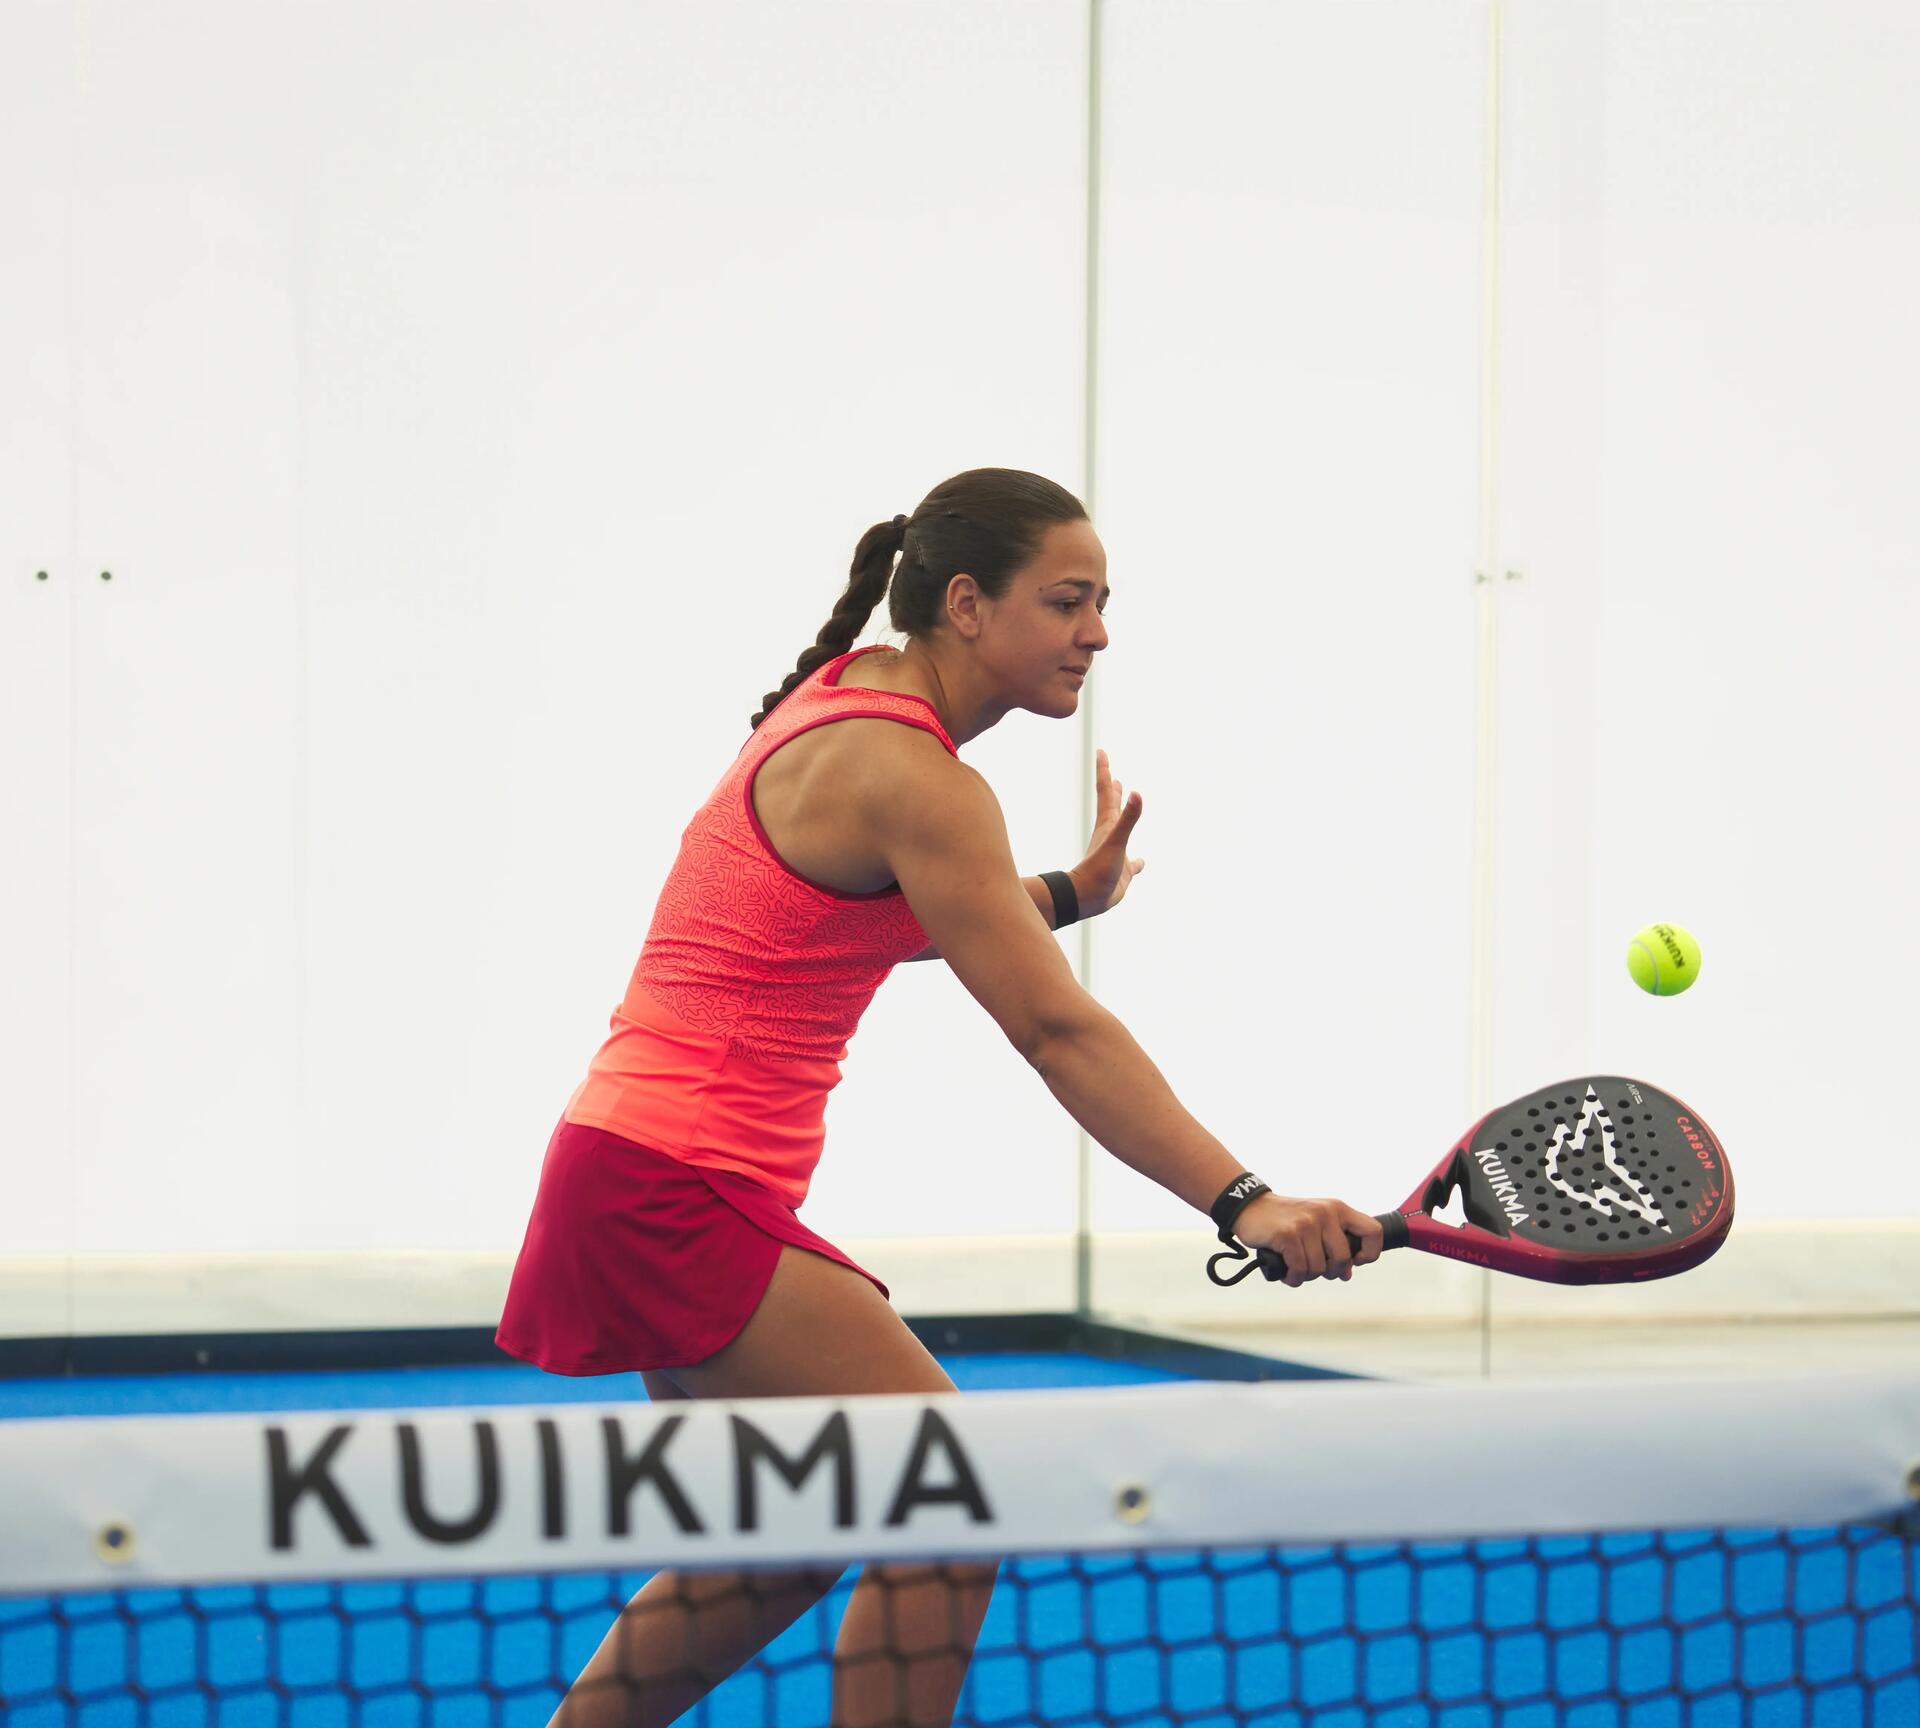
pixel 846 837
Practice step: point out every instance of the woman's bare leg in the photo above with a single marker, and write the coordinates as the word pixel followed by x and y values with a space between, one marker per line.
pixel 905 1643
pixel 681 1634
pixel 909 1631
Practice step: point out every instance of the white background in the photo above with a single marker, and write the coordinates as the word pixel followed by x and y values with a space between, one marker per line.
pixel 475 429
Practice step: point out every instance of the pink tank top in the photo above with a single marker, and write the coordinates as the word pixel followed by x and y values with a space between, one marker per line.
pixel 752 978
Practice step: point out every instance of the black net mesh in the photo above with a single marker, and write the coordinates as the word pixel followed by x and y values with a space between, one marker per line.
pixel 1812 1627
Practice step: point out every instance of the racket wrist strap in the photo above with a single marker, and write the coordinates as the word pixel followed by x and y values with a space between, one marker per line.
pixel 1233 1201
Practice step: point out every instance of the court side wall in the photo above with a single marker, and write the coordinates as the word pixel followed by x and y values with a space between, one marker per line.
pixel 1291 352
pixel 1702 575
pixel 482 435
pixel 1701 565
pixel 1709 366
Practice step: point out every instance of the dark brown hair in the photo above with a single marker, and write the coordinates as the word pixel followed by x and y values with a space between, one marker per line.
pixel 986 523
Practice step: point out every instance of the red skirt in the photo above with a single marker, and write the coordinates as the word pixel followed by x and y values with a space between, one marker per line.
pixel 633 1259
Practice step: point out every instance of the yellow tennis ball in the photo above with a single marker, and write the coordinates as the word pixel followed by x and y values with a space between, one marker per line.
pixel 1664 959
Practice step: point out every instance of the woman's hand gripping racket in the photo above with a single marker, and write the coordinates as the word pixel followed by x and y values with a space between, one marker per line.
pixel 1596 1181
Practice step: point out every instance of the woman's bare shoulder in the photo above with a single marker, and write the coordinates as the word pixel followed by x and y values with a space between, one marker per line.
pixel 885 752
pixel 869 671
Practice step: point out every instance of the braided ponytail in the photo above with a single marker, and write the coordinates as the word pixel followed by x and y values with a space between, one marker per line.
pixel 986 523
pixel 866 582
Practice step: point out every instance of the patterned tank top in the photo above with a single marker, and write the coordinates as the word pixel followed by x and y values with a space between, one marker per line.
pixel 752 978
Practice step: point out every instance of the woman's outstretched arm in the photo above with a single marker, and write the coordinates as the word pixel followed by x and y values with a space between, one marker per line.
pixel 939 826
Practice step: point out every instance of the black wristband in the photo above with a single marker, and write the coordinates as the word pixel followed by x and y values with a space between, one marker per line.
pixel 1066 901
pixel 1233 1199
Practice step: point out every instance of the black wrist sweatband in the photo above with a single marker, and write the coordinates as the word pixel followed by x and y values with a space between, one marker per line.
pixel 1233 1199
pixel 1066 900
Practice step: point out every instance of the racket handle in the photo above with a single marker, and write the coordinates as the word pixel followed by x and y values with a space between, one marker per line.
pixel 1393 1227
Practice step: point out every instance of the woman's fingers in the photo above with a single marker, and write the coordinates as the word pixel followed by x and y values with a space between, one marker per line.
pixel 1109 794
pixel 1329 1239
pixel 1339 1252
pixel 1311 1249
pixel 1372 1237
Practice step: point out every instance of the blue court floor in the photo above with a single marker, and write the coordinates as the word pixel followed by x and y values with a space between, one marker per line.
pixel 419 1388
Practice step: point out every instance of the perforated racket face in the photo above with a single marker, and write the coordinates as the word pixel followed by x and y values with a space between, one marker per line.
pixel 1596 1180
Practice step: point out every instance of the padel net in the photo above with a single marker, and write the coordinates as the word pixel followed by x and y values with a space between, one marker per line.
pixel 1646 1550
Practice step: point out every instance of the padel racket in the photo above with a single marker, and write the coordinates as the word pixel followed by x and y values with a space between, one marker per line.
pixel 1596 1181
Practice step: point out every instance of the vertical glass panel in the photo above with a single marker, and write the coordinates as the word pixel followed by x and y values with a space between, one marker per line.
pixel 1710 358
pixel 186 664
pixel 1290 328
pixel 37 582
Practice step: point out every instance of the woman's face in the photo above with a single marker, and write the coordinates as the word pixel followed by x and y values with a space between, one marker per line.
pixel 1042 634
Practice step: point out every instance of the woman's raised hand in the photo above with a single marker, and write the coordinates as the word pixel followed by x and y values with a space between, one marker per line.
pixel 1100 879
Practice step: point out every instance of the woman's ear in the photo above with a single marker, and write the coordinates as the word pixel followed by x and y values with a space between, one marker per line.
pixel 963 606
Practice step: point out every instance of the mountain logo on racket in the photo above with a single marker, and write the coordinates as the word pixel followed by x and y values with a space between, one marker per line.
pixel 1584 1162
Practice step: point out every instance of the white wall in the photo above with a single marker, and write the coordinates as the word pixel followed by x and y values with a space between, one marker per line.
pixel 36 654
pixel 1710 361
pixel 487 425
pixel 476 429
pixel 618 341
pixel 1290 317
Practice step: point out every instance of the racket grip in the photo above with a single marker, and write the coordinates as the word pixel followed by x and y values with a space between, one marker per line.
pixel 1393 1226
